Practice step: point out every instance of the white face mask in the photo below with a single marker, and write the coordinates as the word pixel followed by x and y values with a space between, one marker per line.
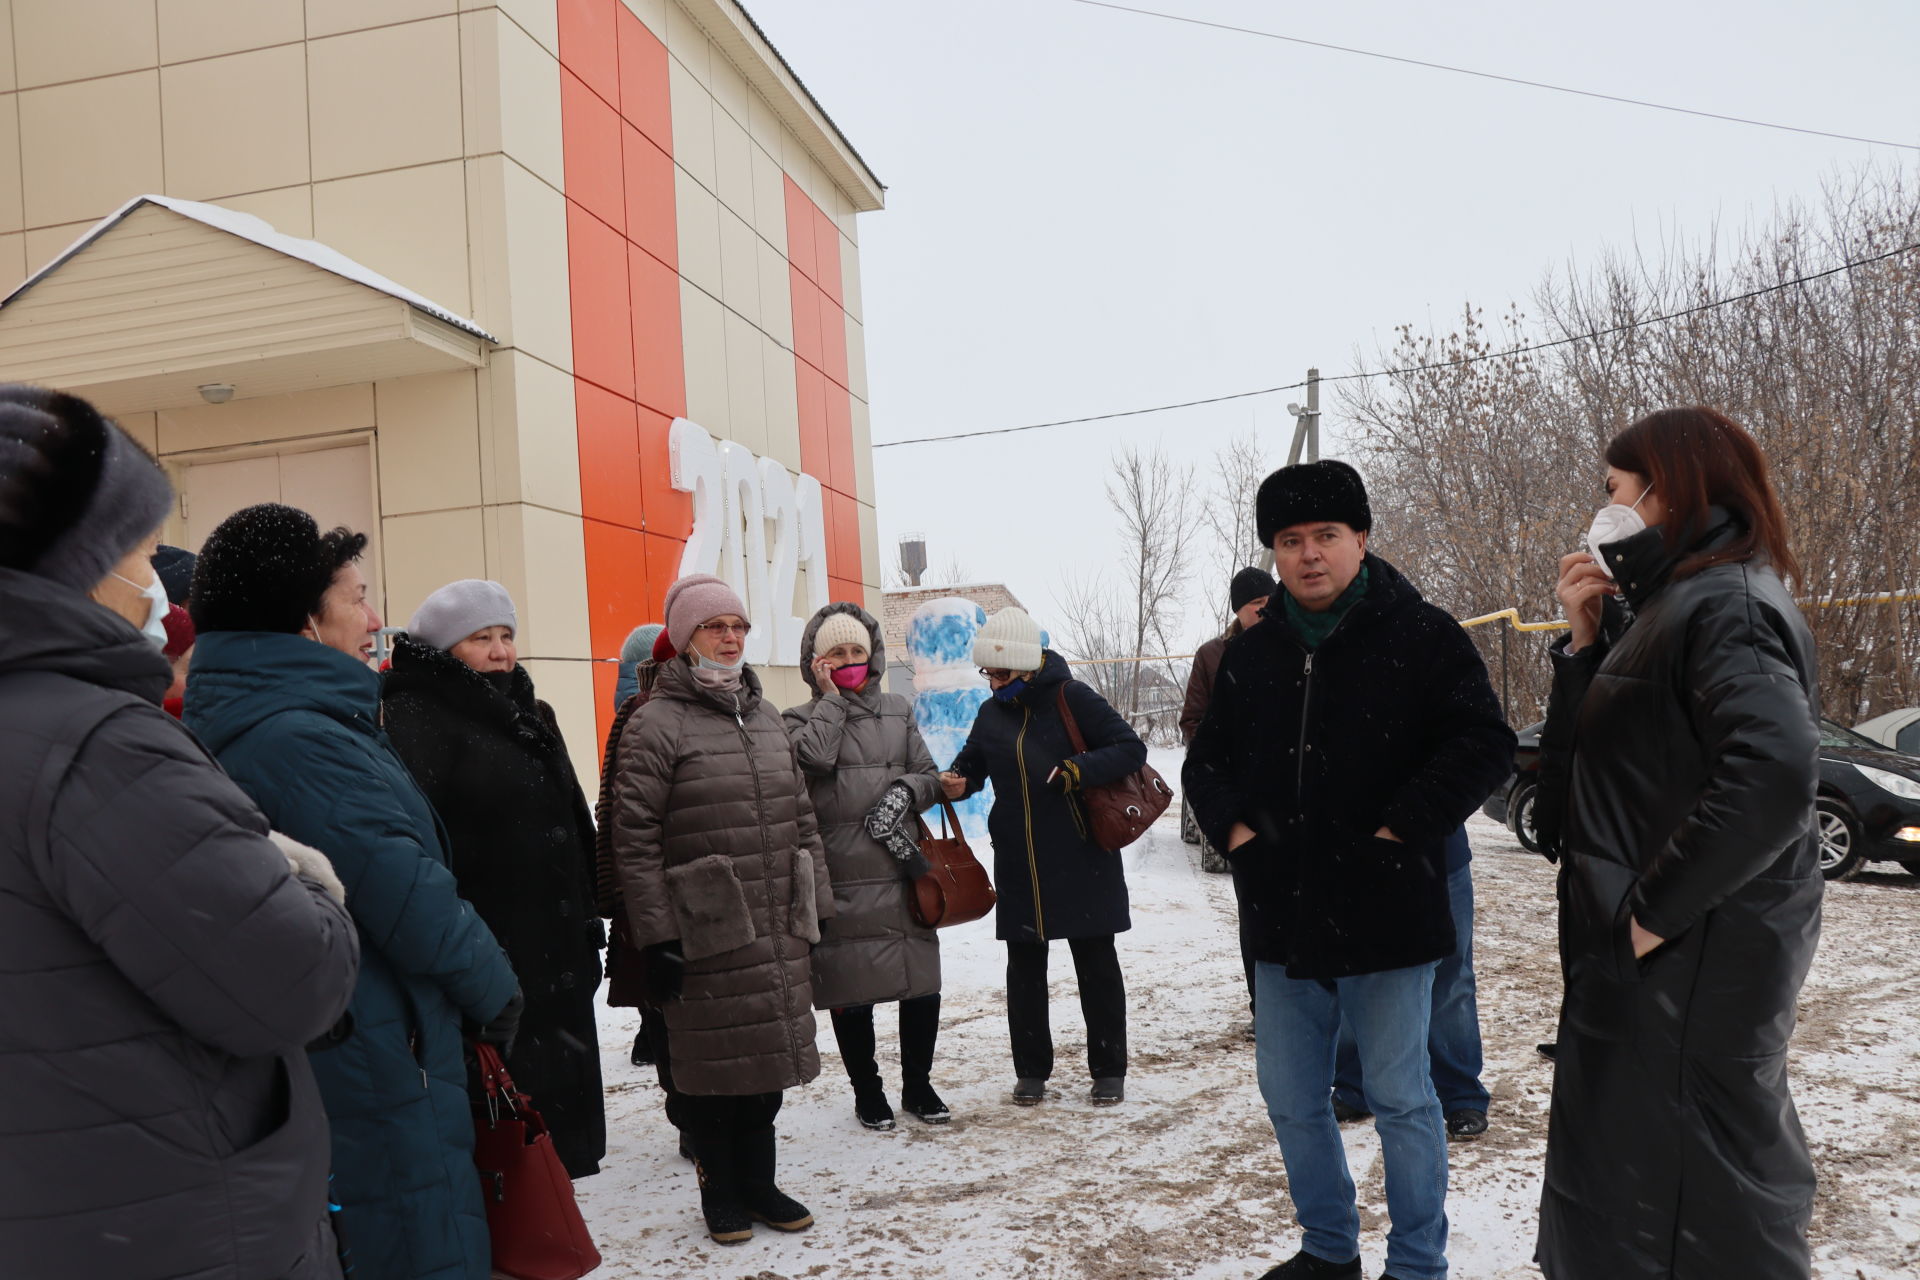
pixel 1615 522
pixel 157 606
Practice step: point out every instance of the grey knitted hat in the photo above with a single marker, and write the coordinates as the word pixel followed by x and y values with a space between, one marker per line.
pixel 639 645
pixel 459 609
pixel 76 492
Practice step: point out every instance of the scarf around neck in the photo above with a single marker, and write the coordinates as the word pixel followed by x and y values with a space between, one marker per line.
pixel 1314 628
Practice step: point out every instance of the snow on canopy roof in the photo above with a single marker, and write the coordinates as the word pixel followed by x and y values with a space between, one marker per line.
pixel 260 232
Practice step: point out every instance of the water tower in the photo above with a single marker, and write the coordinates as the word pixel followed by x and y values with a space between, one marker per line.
pixel 913 557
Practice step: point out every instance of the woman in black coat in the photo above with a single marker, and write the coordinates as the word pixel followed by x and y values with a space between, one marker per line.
pixel 463 717
pixel 1054 881
pixel 1679 768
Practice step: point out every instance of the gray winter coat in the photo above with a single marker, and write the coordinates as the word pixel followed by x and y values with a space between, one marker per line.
pixel 852 748
pixel 717 850
pixel 161 972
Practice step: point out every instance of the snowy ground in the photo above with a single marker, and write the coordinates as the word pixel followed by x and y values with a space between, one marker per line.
pixel 1184 1179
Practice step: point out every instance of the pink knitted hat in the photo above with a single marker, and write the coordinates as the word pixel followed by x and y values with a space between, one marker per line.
pixel 695 599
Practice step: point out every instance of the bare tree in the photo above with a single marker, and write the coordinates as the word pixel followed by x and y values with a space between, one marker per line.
pixel 1154 500
pixel 1228 514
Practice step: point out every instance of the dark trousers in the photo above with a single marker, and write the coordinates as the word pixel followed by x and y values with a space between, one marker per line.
pixel 919 1029
pixel 1103 1002
pixel 716 1123
pixel 655 1027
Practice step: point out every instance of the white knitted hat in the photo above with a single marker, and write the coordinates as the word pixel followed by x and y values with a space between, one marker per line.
pixel 1009 642
pixel 837 629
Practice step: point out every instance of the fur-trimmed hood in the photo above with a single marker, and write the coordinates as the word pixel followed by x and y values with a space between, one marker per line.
pixel 876 647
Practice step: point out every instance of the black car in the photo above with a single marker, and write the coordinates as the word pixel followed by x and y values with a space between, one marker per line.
pixel 1869 801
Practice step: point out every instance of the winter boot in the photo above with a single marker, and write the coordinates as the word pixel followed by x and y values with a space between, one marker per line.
pixel 853 1029
pixel 765 1201
pixel 1108 1091
pixel 642 1051
pixel 1468 1122
pixel 721 1204
pixel 1307 1266
pixel 921 1101
pixel 919 1029
pixel 870 1104
pixel 1028 1091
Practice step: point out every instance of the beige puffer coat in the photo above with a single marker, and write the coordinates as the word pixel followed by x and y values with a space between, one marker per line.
pixel 852 748
pixel 717 849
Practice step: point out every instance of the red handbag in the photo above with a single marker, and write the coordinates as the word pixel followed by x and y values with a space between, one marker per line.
pixel 1118 812
pixel 537 1230
pixel 956 889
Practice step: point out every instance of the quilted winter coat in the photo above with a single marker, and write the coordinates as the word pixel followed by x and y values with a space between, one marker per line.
pixel 160 973
pixel 297 725
pixel 852 748
pixel 1690 742
pixel 718 851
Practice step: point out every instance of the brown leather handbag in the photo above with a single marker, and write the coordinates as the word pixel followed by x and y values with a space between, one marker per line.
pixel 1118 813
pixel 957 889
pixel 534 1222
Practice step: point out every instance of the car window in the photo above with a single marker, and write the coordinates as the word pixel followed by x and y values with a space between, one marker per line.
pixel 1908 739
pixel 1832 735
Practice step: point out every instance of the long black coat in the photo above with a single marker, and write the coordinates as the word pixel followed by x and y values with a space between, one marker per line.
pixel 1389 722
pixel 490 757
pixel 1673 1148
pixel 1053 880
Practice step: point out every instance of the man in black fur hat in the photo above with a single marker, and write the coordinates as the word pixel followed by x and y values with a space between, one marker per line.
pixel 1350 733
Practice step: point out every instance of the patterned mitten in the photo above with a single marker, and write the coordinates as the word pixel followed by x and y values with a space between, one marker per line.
pixel 887 823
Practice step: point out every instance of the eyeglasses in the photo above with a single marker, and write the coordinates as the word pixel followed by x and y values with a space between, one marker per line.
pixel 995 673
pixel 725 628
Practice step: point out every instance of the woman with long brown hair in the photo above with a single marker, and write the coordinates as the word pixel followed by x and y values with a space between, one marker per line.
pixel 1679 763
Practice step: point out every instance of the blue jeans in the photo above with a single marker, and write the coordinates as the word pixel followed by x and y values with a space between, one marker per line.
pixel 1453 1036
pixel 1296 1024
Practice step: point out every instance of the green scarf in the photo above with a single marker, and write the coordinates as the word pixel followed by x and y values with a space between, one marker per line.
pixel 1313 628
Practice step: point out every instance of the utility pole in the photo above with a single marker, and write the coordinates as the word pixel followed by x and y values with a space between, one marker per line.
pixel 1306 438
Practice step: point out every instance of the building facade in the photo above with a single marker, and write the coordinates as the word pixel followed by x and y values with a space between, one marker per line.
pixel 564 293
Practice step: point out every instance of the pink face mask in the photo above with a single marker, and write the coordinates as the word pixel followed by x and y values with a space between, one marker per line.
pixel 851 676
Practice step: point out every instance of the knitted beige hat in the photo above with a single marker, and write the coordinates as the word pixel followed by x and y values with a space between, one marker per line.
pixel 1009 642
pixel 840 628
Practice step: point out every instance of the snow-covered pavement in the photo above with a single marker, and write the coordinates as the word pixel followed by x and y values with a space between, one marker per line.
pixel 1184 1179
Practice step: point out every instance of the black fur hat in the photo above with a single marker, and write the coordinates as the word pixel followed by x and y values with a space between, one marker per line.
pixel 265 568
pixel 76 492
pixel 1308 492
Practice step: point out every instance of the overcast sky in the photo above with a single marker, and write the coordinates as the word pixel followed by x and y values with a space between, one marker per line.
pixel 1090 211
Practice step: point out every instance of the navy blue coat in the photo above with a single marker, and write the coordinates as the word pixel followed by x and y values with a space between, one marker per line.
pixel 296 724
pixel 1053 880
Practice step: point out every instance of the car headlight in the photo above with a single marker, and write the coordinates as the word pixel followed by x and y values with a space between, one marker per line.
pixel 1905 788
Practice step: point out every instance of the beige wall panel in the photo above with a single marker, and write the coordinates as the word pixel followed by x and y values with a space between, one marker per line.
pixel 568 688
pixel 733 165
pixel 769 199
pixel 653 13
pixel 12 210
pixel 703 336
pixel 13 261
pixel 869 546
pixel 783 687
pixel 843 213
pixel 385 98
pixel 529 451
pixel 88 148
pixel 142 427
pixel 289 210
pixel 765 126
pixel 487 266
pixel 539 296
pixel 510 86
pixel 422 553
pixel 783 403
pixel 692 123
pixel 407 224
pixel 7 81
pixel 237 123
pixel 429 442
pixel 730 89
pixel 209 28
pixel 740 268
pixel 238 422
pixel 697 220
pixel 863 453
pixel 850 279
pixel 551 551
pixel 538 18
pixel 60 40
pixel 44 243
pixel 331 17
pixel 688 44
pixel 857 359
pixel 746 384
pixel 776 296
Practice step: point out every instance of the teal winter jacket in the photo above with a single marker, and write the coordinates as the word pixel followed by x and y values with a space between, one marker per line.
pixel 296 724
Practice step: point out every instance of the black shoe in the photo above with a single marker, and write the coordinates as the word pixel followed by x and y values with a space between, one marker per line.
pixel 1108 1091
pixel 758 1192
pixel 1551 1052
pixel 870 1104
pixel 1345 1113
pixel 920 1100
pixel 1028 1090
pixel 686 1148
pixel 642 1051
pixel 728 1221
pixel 1307 1266
pixel 1466 1123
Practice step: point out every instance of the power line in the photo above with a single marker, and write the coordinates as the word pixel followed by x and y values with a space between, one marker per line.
pixel 1493 75
pixel 1436 365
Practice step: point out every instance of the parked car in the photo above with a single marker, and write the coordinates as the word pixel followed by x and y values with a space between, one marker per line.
pixel 1898 730
pixel 1868 806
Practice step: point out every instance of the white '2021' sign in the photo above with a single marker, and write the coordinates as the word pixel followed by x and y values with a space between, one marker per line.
pixel 742 506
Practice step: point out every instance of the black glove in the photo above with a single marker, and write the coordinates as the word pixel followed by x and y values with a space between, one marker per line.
pixel 662 971
pixel 505 1025
pixel 1066 778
